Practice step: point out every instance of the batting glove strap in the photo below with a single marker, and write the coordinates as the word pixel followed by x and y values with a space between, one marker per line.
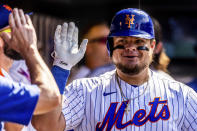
pixel 60 63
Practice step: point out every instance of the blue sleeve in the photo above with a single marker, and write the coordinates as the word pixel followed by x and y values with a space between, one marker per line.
pixel 17 101
pixel 61 77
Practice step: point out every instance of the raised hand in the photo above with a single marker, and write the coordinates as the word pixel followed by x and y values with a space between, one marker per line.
pixel 66 52
pixel 23 35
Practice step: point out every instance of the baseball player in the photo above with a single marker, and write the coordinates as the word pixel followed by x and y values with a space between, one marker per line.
pixel 96 61
pixel 131 97
pixel 20 101
pixel 17 70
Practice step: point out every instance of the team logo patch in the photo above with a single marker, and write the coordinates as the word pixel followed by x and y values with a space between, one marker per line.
pixel 24 73
pixel 129 21
pixel 114 116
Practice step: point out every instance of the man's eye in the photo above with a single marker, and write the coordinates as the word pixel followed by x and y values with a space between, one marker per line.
pixel 139 41
pixel 122 41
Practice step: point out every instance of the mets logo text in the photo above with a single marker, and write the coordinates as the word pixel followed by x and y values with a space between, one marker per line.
pixel 140 117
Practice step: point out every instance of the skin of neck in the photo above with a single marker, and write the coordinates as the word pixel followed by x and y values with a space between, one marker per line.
pixel 137 79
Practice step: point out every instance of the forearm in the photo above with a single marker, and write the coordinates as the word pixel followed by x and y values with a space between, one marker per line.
pixel 37 68
pixel 65 58
pixel 53 121
pixel 8 126
pixel 41 76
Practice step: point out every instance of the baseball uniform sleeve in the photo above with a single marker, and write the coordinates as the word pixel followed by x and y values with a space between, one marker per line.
pixel 17 101
pixel 73 104
pixel 61 75
pixel 190 122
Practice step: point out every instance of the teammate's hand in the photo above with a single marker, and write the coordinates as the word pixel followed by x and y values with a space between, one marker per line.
pixel 23 36
pixel 66 52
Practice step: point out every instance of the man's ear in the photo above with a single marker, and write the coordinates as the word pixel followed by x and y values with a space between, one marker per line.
pixel 158 48
pixel 1 42
pixel 152 44
pixel 1 46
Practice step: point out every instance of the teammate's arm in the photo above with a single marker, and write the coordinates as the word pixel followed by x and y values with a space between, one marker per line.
pixel 66 55
pixel 23 40
pixel 60 76
pixel 53 121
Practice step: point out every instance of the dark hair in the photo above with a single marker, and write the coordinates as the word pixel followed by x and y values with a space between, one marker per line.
pixel 160 60
pixel 86 28
pixel 158 30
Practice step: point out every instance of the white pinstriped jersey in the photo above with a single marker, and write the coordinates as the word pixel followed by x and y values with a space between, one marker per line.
pixel 19 72
pixel 96 104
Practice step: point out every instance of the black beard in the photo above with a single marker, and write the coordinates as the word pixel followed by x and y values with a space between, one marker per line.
pixel 130 70
pixel 11 53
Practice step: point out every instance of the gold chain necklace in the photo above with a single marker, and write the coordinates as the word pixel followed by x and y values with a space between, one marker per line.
pixel 124 98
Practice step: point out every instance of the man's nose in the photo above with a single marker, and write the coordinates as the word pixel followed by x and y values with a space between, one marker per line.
pixel 130 48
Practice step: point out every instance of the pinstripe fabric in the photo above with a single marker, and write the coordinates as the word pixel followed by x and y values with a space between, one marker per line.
pixel 87 102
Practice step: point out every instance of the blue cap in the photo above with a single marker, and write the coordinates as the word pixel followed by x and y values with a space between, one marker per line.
pixel 132 22
pixel 4 15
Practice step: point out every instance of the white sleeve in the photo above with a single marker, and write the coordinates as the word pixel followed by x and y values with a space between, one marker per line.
pixel 190 121
pixel 73 106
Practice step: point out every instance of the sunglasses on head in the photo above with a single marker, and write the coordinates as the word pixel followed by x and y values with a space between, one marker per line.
pixel 98 40
pixel 8 29
pixel 5 30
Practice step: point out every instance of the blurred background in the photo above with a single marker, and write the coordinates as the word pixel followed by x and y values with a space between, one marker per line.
pixel 177 18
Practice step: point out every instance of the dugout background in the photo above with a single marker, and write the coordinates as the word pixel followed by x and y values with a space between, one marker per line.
pixel 177 17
